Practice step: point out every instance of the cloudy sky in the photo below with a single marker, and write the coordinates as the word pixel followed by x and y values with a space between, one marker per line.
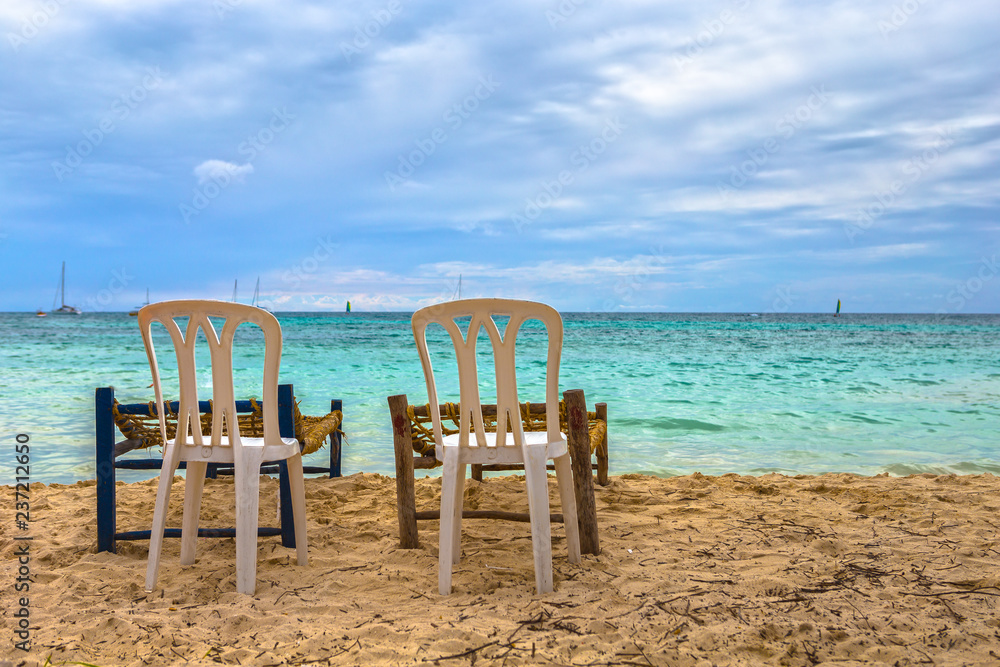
pixel 731 155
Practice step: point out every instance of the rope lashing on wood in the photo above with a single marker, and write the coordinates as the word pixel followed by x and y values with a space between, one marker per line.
pixel 312 432
pixel 532 419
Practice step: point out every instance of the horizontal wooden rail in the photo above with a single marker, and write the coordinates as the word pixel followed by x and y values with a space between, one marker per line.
pixel 205 407
pixel 202 532
pixel 523 517
pixel 489 410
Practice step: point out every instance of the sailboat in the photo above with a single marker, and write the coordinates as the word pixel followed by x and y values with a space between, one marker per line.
pixel 256 297
pixel 348 307
pixel 63 309
pixel 135 312
pixel 235 283
pixel 837 314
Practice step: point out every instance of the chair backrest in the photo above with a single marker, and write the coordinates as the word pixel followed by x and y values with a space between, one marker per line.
pixel 482 312
pixel 220 348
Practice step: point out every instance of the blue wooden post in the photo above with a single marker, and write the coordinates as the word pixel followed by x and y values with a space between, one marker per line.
pixel 336 440
pixel 104 421
pixel 286 426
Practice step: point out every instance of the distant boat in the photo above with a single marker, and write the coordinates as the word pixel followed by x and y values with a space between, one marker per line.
pixel 63 309
pixel 135 312
pixel 40 313
pixel 256 297
pixel 348 307
pixel 837 314
pixel 235 283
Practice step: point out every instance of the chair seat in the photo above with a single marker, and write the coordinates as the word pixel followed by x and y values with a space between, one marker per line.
pixel 223 452
pixel 509 453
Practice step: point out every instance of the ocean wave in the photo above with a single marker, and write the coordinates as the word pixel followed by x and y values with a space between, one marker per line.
pixel 670 424
pixel 962 468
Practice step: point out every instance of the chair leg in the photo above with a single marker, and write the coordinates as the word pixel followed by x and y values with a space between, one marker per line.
pixel 459 510
pixel 538 507
pixel 170 456
pixel 247 481
pixel 297 484
pixel 194 483
pixel 449 540
pixel 567 496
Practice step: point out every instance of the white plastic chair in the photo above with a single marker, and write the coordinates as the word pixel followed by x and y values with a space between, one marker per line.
pixel 246 454
pixel 532 449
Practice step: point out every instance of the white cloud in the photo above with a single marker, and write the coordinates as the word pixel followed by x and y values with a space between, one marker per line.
pixel 215 170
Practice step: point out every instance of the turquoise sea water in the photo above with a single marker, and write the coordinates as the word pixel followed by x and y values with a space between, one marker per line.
pixel 713 393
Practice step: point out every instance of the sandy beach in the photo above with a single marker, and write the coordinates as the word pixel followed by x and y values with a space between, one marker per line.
pixel 731 570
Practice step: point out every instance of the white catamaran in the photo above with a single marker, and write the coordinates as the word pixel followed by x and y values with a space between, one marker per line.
pixel 63 309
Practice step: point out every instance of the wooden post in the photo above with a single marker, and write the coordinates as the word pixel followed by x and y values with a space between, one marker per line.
pixel 104 421
pixel 336 440
pixel 602 447
pixel 583 476
pixel 406 502
pixel 286 428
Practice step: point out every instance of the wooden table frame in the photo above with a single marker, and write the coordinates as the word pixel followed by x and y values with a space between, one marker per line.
pixel 407 460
